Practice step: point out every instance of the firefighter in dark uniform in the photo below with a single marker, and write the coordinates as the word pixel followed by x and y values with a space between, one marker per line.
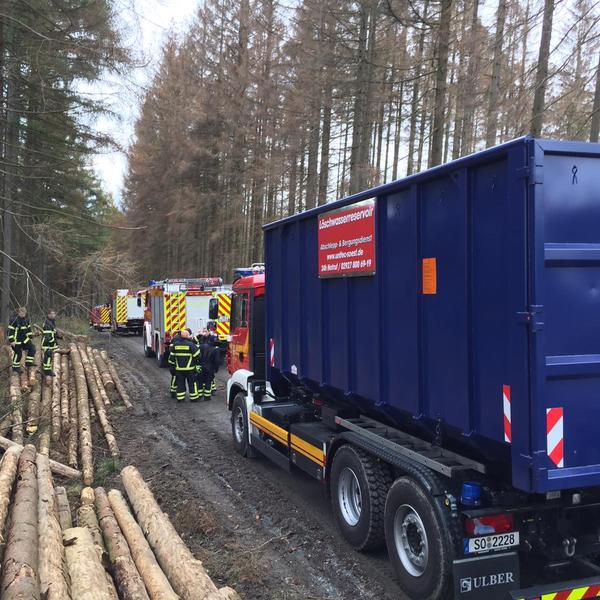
pixel 172 371
pixel 19 337
pixel 184 355
pixel 209 361
pixel 49 344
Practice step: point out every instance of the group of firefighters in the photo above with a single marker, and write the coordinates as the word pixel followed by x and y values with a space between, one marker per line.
pixel 194 362
pixel 19 337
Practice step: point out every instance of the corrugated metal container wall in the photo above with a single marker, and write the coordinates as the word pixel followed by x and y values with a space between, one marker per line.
pixel 471 259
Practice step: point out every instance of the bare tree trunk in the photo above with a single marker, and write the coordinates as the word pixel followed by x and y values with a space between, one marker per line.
pixel 325 142
pixel 541 78
pixel 595 126
pixel 414 102
pixel 491 125
pixel 471 99
pixel 439 107
pixel 10 165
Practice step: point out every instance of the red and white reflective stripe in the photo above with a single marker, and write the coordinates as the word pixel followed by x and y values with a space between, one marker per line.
pixel 272 351
pixel 507 414
pixel 555 436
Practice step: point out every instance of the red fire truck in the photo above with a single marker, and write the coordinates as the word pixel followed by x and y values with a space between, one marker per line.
pixel 127 314
pixel 100 317
pixel 173 304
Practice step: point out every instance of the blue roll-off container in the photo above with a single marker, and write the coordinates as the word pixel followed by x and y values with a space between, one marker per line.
pixel 515 231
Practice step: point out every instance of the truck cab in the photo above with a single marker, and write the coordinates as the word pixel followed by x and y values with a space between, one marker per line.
pixel 247 346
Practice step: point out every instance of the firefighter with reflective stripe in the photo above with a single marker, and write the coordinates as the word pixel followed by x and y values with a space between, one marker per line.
pixel 172 370
pixel 209 361
pixel 184 355
pixel 19 337
pixel 49 344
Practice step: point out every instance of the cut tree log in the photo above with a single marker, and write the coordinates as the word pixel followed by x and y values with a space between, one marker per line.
pixel 97 377
pixel 20 564
pixel 119 385
pixel 56 467
pixel 45 421
pixel 104 355
pixel 15 403
pixel 107 379
pixel 33 406
pixel 83 412
pixel 8 472
pixel 186 573
pixel 63 507
pixel 73 423
pixel 86 517
pixel 24 381
pixel 157 584
pixel 88 577
pixel 35 370
pixel 56 424
pixel 54 578
pixel 65 424
pixel 109 434
pixel 127 579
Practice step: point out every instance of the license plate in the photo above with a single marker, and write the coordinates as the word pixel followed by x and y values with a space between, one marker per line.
pixel 490 543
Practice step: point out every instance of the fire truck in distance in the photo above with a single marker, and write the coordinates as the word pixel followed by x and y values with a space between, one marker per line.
pixel 174 304
pixel 127 314
pixel 253 269
pixel 100 317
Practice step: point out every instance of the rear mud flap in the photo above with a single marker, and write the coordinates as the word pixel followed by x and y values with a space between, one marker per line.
pixel 490 577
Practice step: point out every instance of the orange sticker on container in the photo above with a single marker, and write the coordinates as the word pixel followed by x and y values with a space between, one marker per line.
pixel 430 276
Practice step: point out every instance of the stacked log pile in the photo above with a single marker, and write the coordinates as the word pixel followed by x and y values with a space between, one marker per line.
pixel 121 547
pixel 57 414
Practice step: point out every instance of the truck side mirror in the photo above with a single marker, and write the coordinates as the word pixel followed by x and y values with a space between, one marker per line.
pixel 213 309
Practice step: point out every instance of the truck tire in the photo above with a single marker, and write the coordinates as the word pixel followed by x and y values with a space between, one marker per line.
pixel 147 349
pixel 359 486
pixel 419 542
pixel 160 358
pixel 239 427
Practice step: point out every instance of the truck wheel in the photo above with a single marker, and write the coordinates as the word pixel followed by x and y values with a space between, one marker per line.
pixel 359 485
pixel 147 350
pixel 239 427
pixel 160 358
pixel 418 542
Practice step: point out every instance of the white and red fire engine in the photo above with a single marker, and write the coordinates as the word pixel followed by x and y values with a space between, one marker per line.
pixel 174 304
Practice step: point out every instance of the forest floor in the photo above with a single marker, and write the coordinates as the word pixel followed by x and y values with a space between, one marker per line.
pixel 267 533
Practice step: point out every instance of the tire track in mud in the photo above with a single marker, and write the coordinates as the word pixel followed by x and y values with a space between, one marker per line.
pixel 273 531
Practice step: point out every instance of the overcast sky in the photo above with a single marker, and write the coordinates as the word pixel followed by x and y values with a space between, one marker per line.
pixel 147 22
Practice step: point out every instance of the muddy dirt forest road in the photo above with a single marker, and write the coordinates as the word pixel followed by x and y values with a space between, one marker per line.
pixel 267 533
